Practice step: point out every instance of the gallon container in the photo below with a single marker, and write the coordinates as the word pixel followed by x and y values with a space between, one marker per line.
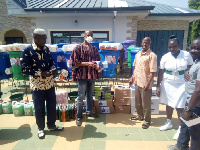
pixel 1 110
pixel 7 107
pixel 17 109
pixel 28 110
pixel 17 97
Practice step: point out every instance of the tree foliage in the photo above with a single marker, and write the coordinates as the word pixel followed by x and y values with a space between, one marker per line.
pixel 194 29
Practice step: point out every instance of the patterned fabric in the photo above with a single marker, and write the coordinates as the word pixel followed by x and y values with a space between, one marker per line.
pixel 144 63
pixel 35 60
pixel 84 53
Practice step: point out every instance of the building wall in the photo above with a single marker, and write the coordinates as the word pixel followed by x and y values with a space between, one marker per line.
pixel 117 29
pixel 8 22
pixel 146 25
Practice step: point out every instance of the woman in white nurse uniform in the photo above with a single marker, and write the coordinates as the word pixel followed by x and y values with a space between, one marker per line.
pixel 171 83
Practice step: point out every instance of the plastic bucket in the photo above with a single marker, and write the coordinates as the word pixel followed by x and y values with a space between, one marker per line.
pixel 5 63
pixel 59 59
pixel 127 43
pixel 69 68
pixel 7 107
pixel 133 52
pixel 112 58
pixel 16 67
pixel 96 44
pixel 17 97
pixel 18 109
pixel 129 55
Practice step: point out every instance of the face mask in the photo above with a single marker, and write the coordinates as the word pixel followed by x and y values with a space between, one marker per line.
pixel 89 39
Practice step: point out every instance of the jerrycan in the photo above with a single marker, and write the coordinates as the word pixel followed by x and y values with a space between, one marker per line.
pixel 28 110
pixel 1 110
pixel 17 109
pixel 7 107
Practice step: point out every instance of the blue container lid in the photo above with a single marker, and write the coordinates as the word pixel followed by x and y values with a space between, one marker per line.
pixel 108 42
pixel 94 42
pixel 136 49
pixel 130 42
pixel 60 45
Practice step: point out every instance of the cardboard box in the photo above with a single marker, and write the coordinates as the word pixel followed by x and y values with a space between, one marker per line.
pixel 154 105
pixel 123 109
pixel 105 110
pixel 122 101
pixel 103 103
pixel 122 93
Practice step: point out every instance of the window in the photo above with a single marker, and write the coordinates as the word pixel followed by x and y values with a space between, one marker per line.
pixel 76 36
pixel 11 40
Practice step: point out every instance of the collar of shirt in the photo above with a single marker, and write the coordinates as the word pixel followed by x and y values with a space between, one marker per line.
pixel 196 60
pixel 144 53
pixel 35 47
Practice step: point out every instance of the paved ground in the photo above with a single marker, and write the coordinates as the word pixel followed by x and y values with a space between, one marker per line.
pixel 111 131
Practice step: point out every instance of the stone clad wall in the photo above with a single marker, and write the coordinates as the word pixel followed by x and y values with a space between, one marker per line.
pixel 8 22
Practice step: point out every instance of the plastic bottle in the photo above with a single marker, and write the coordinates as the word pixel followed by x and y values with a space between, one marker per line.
pixel 1 110
pixel 57 112
pixel 60 114
pixel 63 114
pixel 7 107
pixel 17 109
pixel 67 113
pixel 28 110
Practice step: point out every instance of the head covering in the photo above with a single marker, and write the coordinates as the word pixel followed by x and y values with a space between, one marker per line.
pixel 39 31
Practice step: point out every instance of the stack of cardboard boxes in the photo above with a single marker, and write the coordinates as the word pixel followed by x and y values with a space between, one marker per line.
pixel 122 95
pixel 103 102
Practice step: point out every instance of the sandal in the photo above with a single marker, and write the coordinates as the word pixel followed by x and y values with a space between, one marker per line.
pixel 145 125
pixel 137 118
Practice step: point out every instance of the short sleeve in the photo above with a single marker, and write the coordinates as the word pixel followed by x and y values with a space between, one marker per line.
pixel 162 62
pixel 153 62
pixel 190 60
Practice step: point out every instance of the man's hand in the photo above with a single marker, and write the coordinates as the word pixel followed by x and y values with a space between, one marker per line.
pixel 46 74
pixel 187 77
pixel 186 115
pixel 53 72
pixel 91 64
pixel 146 87
pixel 131 81
pixel 158 91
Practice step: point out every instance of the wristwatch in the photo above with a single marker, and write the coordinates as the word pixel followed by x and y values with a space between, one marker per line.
pixel 187 109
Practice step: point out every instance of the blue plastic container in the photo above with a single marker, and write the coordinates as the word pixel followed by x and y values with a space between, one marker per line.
pixel 69 69
pixel 96 44
pixel 133 52
pixel 111 57
pixel 5 63
pixel 108 42
pixel 59 59
pixel 60 45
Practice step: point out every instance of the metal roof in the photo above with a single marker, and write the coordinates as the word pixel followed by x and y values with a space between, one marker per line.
pixel 105 5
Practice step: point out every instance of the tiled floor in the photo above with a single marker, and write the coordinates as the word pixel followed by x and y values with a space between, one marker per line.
pixel 111 131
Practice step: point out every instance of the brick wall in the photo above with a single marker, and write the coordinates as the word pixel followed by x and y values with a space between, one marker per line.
pixel 132 25
pixel 8 22
pixel 146 25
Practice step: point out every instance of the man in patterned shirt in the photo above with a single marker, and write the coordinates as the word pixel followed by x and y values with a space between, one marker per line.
pixel 85 72
pixel 145 68
pixel 37 62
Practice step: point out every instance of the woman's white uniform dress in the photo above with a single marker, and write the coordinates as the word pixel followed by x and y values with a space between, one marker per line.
pixel 172 90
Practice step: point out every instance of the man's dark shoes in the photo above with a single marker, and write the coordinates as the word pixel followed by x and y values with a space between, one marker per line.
pixel 56 128
pixel 78 122
pixel 41 134
pixel 92 115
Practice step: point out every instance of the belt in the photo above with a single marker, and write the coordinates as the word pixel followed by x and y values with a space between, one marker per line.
pixel 175 72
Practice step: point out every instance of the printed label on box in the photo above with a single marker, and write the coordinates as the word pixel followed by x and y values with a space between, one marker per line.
pixel 102 103
pixel 105 110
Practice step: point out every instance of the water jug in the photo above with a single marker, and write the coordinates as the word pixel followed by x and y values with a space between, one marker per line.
pixel 28 110
pixel 7 107
pixel 17 109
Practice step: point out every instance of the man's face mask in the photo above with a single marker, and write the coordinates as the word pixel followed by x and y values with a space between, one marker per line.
pixel 89 39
